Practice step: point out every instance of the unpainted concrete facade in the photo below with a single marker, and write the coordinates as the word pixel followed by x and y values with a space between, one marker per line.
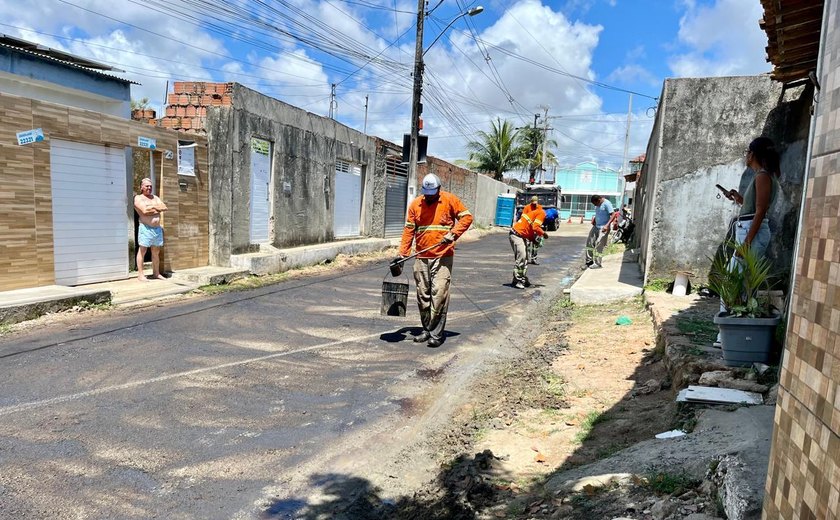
pixel 702 127
pixel 305 148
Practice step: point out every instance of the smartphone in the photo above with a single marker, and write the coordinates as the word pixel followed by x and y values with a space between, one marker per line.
pixel 721 188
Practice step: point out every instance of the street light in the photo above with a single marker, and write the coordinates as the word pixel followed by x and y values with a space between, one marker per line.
pixel 418 88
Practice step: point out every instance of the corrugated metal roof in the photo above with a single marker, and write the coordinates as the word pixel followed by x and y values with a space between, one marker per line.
pixel 41 51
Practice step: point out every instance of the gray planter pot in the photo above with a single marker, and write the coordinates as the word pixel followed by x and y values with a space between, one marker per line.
pixel 745 341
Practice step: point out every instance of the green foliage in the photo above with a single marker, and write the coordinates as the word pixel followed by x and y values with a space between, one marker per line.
pixel 530 147
pixel 665 483
pixel 701 331
pixel 496 152
pixel 614 248
pixel 738 287
pixel 139 104
pixel 658 285
pixel 5 329
pixel 588 424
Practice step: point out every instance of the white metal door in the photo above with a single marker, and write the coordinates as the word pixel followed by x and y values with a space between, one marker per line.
pixel 348 199
pixel 260 190
pixel 90 224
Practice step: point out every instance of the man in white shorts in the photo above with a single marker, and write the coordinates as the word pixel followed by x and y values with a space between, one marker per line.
pixel 150 233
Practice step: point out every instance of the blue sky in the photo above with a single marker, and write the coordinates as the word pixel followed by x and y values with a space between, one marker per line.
pixel 510 61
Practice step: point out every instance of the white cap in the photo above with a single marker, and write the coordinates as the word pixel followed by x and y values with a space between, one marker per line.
pixel 431 184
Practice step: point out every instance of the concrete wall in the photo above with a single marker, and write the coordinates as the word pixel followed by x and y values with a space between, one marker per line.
pixel 454 179
pixel 24 74
pixel 477 191
pixel 487 191
pixel 803 478
pixel 702 127
pixel 305 149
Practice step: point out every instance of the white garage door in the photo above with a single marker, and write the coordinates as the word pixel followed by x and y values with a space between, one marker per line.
pixel 89 212
pixel 260 190
pixel 348 199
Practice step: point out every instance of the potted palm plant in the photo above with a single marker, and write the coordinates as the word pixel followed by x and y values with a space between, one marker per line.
pixel 748 324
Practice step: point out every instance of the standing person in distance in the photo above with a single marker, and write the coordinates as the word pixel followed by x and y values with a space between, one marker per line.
pixel 601 224
pixel 525 231
pixel 435 217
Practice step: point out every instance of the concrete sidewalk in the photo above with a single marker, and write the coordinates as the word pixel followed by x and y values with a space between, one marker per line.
pixel 619 278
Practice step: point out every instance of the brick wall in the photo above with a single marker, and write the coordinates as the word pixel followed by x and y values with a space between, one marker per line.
pixel 187 105
pixel 803 480
pixel 26 236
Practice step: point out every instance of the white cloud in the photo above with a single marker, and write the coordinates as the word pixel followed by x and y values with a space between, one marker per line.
pixel 631 74
pixel 723 39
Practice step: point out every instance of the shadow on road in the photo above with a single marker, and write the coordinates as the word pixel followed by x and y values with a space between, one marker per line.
pixel 464 486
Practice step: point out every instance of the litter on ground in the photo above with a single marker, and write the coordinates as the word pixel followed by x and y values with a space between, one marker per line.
pixel 711 395
pixel 623 320
pixel 670 434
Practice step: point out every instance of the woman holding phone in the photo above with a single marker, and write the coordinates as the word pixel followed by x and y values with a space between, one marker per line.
pixel 751 224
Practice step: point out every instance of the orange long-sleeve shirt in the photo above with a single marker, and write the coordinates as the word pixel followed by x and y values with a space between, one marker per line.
pixel 529 225
pixel 426 224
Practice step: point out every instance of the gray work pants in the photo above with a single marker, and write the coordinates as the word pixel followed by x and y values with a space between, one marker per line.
pixel 595 243
pixel 433 277
pixel 520 258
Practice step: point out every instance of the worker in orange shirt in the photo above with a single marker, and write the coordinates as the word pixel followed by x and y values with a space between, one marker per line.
pixel 435 217
pixel 527 229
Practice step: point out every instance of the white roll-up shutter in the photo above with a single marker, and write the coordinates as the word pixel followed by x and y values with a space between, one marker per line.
pixel 90 223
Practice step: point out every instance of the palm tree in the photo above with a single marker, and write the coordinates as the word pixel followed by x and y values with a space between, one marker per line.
pixel 530 143
pixel 496 152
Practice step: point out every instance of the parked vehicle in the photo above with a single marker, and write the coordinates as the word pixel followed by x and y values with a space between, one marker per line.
pixel 624 229
pixel 549 197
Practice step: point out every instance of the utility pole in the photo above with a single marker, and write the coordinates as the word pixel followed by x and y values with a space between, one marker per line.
pixel 626 146
pixel 333 102
pixel 545 140
pixel 532 177
pixel 416 107
pixel 366 109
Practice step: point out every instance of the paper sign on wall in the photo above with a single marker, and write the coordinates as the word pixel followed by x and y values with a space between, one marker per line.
pixel 30 136
pixel 186 158
pixel 146 142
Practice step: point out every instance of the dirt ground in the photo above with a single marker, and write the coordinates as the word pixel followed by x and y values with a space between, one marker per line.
pixel 584 390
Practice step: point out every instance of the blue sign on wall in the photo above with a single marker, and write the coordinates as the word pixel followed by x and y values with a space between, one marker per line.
pixel 146 142
pixel 30 136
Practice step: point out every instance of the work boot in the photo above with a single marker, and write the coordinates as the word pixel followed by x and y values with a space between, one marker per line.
pixel 435 342
pixel 423 336
pixel 519 285
pixel 527 283
pixel 533 262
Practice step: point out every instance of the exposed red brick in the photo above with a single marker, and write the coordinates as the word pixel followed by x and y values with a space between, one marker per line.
pixel 180 111
pixel 186 123
pixel 206 99
pixel 226 100
pixel 217 101
pixel 202 112
pixel 190 111
pixel 170 111
pixel 172 99
pixel 167 122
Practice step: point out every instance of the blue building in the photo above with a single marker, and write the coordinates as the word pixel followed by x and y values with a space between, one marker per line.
pixel 580 182
pixel 34 71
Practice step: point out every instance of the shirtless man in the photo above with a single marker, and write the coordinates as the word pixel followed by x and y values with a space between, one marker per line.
pixel 150 234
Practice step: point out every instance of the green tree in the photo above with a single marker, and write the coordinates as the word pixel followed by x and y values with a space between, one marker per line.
pixel 497 151
pixel 530 142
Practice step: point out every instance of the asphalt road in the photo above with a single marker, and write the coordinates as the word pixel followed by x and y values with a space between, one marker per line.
pixel 228 406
